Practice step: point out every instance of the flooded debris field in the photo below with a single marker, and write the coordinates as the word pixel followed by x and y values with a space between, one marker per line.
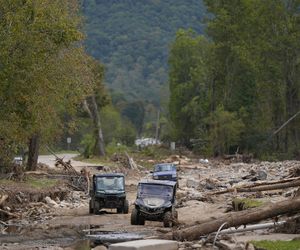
pixel 58 217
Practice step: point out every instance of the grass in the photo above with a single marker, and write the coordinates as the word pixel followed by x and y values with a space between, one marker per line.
pixel 31 182
pixel 248 203
pixel 277 245
pixel 153 153
pixel 41 183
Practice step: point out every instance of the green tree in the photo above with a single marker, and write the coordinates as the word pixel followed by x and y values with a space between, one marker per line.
pixel 224 130
pixel 43 70
pixel 189 83
pixel 257 50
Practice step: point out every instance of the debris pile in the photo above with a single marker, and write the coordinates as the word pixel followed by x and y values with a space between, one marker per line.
pixel 267 183
pixel 124 160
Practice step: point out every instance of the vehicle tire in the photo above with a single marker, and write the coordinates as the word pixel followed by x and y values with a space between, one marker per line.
pixel 168 219
pixel 134 219
pixel 91 210
pixel 96 207
pixel 126 207
pixel 141 220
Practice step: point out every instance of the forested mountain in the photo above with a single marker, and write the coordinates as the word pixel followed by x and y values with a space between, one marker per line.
pixel 132 39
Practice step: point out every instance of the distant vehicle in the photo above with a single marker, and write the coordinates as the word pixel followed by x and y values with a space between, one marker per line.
pixel 18 160
pixel 155 202
pixel 108 191
pixel 165 171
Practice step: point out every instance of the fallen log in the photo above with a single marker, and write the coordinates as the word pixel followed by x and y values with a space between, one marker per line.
pixel 233 230
pixel 3 198
pixel 131 162
pixel 262 187
pixel 10 215
pixel 237 218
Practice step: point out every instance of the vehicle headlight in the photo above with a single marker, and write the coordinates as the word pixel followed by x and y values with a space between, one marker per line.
pixel 155 177
pixel 174 175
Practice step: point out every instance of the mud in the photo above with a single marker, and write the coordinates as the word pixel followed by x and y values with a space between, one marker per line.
pixel 68 225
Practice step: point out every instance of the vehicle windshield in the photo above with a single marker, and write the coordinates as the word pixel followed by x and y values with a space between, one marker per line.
pixel 155 190
pixel 164 167
pixel 110 183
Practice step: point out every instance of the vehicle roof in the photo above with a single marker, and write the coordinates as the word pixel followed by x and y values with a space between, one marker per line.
pixel 163 164
pixel 109 175
pixel 158 182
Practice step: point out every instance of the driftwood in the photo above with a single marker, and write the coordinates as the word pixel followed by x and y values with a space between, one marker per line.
pixel 292 182
pixel 238 218
pixel 66 164
pixel 3 198
pixel 239 157
pixel 233 230
pixel 10 215
pixel 131 162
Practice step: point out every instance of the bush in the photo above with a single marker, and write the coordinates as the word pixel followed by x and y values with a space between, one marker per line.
pixel 87 143
pixel 115 147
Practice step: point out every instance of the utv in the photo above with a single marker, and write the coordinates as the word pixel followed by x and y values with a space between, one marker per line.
pixel 156 202
pixel 165 171
pixel 108 191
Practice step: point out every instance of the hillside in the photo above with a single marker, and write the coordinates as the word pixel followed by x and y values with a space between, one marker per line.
pixel 132 38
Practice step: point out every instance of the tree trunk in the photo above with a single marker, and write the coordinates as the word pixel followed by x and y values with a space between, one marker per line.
pixel 93 111
pixel 238 218
pixel 33 153
pixel 264 187
pixel 99 147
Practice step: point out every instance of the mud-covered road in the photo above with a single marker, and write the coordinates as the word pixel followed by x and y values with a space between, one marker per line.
pixel 70 226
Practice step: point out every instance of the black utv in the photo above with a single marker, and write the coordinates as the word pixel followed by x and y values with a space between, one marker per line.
pixel 155 202
pixel 108 191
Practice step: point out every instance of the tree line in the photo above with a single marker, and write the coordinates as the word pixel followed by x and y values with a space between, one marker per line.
pixel 238 87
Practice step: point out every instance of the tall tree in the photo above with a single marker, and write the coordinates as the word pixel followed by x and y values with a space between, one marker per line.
pixel 93 103
pixel 43 69
pixel 189 83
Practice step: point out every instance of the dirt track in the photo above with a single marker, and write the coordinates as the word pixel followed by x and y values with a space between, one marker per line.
pixel 72 227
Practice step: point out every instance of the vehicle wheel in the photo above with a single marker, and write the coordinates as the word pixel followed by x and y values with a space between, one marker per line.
pixel 141 220
pixel 91 208
pixel 96 207
pixel 168 220
pixel 134 219
pixel 125 207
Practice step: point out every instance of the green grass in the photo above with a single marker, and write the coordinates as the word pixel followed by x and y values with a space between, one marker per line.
pixel 277 245
pixel 31 182
pixel 248 203
pixel 41 183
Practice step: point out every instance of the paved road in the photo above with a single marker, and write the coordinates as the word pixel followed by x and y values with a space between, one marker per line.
pixel 50 160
